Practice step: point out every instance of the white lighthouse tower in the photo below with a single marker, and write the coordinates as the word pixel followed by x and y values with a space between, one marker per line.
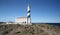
pixel 28 14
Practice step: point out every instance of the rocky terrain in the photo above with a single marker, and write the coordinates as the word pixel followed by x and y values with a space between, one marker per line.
pixel 34 29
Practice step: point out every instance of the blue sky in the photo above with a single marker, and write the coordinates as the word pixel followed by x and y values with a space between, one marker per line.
pixel 41 10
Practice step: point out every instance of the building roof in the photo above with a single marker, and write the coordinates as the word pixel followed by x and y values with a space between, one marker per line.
pixel 21 17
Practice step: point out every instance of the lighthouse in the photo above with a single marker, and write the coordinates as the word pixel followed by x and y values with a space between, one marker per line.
pixel 28 14
pixel 26 19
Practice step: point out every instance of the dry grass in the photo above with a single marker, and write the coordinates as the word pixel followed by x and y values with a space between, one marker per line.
pixel 34 29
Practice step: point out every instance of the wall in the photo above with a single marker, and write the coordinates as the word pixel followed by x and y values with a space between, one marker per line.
pixel 23 20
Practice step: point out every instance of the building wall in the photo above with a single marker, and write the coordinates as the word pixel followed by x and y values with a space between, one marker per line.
pixel 23 20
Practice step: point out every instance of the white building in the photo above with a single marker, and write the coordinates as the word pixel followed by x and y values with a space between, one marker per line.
pixel 23 20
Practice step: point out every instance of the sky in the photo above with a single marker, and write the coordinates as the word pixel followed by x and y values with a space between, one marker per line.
pixel 44 11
